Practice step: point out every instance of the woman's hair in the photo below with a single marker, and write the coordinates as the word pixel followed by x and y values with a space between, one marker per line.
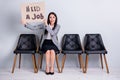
pixel 48 20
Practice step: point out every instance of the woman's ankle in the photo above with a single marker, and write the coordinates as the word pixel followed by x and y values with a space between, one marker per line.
pixel 47 69
pixel 52 69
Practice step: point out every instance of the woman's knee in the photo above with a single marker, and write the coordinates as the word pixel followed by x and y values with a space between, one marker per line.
pixel 48 51
pixel 52 51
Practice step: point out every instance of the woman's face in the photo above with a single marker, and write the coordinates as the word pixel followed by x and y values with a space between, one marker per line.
pixel 52 19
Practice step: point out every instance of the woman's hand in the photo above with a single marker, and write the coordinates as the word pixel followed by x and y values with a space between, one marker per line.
pixel 45 22
pixel 23 22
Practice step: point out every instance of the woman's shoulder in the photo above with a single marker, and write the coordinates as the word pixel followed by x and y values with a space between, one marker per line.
pixel 57 25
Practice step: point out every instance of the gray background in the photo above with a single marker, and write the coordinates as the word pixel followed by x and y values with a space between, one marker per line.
pixel 74 16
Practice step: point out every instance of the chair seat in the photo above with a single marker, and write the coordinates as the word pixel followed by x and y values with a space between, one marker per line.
pixel 72 52
pixel 96 52
pixel 25 51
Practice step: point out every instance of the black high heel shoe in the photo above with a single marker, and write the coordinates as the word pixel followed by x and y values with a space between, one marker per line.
pixel 47 73
pixel 51 73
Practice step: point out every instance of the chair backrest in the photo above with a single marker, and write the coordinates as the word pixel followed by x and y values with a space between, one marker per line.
pixel 93 42
pixel 26 42
pixel 71 42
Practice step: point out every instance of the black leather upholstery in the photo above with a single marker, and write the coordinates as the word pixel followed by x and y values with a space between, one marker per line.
pixel 71 44
pixel 26 44
pixel 93 44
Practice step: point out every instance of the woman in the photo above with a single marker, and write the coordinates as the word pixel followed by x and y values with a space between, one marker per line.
pixel 49 43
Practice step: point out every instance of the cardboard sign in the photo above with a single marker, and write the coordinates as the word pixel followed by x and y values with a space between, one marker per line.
pixel 33 12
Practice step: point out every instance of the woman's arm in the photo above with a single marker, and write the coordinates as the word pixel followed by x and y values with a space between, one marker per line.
pixel 34 25
pixel 53 32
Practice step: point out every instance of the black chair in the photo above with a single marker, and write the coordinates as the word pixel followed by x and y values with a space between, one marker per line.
pixel 93 44
pixel 71 44
pixel 26 45
pixel 40 59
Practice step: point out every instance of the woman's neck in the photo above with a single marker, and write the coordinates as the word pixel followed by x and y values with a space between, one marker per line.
pixel 51 24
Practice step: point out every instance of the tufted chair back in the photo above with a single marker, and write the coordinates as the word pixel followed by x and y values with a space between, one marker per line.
pixel 26 42
pixel 93 42
pixel 71 42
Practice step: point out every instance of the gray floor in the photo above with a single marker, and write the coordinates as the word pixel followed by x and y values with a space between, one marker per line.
pixel 69 73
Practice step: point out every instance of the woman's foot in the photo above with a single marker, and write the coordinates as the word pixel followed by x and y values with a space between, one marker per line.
pixel 47 70
pixel 51 70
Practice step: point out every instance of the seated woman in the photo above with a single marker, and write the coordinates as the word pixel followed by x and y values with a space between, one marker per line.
pixel 49 43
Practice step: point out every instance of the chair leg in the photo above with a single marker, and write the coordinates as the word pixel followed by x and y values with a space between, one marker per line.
pixel 101 61
pixel 14 63
pixel 19 60
pixel 35 63
pixel 86 63
pixel 41 61
pixel 106 63
pixel 63 62
pixel 81 62
pixel 33 59
pixel 57 63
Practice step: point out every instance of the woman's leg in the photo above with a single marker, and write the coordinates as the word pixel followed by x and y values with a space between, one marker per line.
pixel 47 54
pixel 52 60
